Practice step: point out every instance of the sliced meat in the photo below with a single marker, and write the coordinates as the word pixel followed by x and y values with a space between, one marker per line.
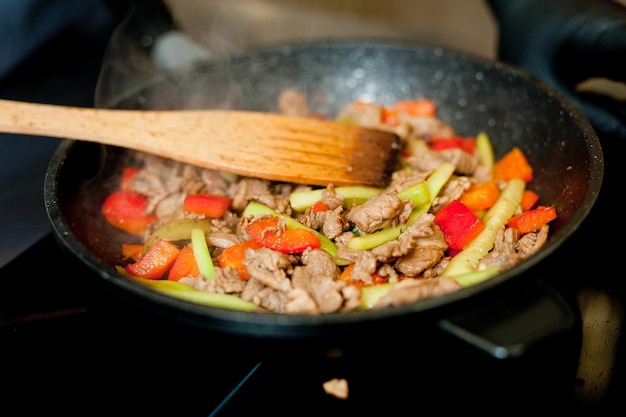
pixel 426 127
pixel 269 268
pixel 530 243
pixel 379 212
pixel 226 281
pixel 504 253
pixel 464 162
pixel 330 222
pixel 410 290
pixel 318 277
pixel 423 227
pixel 331 198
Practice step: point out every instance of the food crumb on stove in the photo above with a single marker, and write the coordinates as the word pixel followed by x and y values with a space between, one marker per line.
pixel 337 387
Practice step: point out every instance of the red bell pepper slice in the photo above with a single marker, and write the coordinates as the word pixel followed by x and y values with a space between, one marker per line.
pixel 264 231
pixel 185 265
pixel 208 205
pixel 459 224
pixel 466 144
pixel 156 262
pixel 532 220
pixel 126 210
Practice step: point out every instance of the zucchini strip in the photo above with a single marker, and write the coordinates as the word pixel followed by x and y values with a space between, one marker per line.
pixel 495 219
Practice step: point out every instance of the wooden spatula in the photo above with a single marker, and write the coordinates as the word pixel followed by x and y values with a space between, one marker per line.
pixel 262 145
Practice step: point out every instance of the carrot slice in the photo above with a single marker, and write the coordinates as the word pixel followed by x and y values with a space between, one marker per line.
pixel 234 256
pixel 513 165
pixel 481 196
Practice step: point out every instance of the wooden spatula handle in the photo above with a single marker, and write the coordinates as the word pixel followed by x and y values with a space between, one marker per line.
pixel 264 145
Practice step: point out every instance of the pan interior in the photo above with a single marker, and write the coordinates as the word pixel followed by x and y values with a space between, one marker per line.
pixel 472 94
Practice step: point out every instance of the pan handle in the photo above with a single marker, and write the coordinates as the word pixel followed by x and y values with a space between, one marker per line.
pixel 508 325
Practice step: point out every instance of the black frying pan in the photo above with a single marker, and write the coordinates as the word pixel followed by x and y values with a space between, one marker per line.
pixel 472 94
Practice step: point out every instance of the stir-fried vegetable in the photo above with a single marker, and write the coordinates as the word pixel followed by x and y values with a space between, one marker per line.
pixel 252 245
pixel 266 232
pixel 496 218
pixel 532 220
pixel 156 262
pixel 459 224
pixel 126 210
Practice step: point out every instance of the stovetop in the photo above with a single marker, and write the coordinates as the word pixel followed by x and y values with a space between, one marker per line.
pixel 71 347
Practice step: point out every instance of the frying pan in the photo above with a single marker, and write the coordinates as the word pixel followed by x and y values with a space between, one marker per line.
pixel 503 316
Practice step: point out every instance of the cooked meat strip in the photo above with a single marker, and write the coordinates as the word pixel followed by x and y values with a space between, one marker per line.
pixel 252 189
pixel 364 263
pixel 269 267
pixel 336 387
pixel 343 239
pixel 381 211
pixel 403 179
pixel 530 243
pixel 426 161
pixel 351 298
pixel 317 276
pixel 453 190
pixel 426 127
pixel 221 239
pixel 438 269
pixel 226 281
pixel 504 253
pixel 464 162
pixel 299 301
pixel 331 198
pixel 410 290
pixel 388 272
pixel 330 222
pixel 269 299
pixel 408 240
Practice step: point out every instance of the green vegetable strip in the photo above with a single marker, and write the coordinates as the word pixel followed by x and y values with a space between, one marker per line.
pixel 185 292
pixel 497 216
pixel 202 254
pixel 302 200
pixel 475 277
pixel 372 293
pixel 375 239
pixel 179 229
pixel 439 178
pixel 418 193
pixel 257 209
pixel 485 150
